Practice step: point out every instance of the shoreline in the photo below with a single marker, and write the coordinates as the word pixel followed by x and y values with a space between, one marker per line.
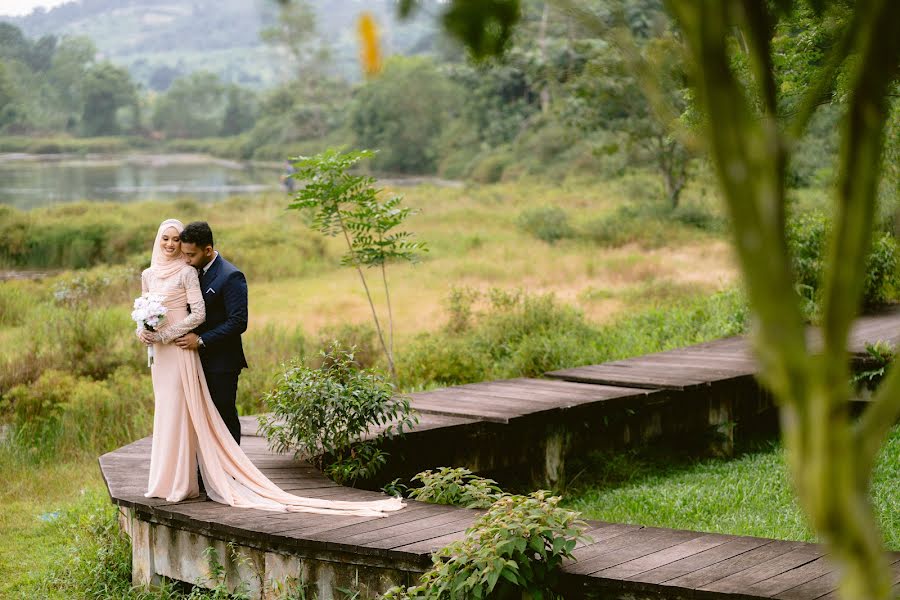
pixel 25 274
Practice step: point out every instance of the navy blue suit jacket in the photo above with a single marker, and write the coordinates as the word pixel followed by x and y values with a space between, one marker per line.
pixel 225 296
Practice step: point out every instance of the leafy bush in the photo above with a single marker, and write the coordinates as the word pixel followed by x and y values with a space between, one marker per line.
pixel 549 223
pixel 324 414
pixel 651 224
pixel 359 336
pixel 57 416
pixel 624 227
pixel 442 360
pixel 697 217
pixel 807 236
pixel 518 335
pixel 457 487
pixel 490 168
pixel 516 548
pixel 881 281
pixel 880 356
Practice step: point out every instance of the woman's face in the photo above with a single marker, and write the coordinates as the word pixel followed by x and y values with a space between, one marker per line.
pixel 170 243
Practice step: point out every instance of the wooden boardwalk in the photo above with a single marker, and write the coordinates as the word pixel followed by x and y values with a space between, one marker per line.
pixel 620 561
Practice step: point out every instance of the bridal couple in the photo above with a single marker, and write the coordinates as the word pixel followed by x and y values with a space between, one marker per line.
pixel 198 357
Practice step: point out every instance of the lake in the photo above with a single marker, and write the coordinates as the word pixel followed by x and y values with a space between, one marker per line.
pixel 31 181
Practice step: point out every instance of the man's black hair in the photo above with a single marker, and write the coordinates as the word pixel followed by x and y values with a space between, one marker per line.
pixel 198 233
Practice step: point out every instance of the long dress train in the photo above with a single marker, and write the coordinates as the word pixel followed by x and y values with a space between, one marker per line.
pixel 188 430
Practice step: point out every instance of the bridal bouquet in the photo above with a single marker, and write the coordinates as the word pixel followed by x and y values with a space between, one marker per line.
pixel 148 313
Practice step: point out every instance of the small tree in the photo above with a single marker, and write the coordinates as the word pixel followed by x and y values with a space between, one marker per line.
pixel 349 206
pixel 326 414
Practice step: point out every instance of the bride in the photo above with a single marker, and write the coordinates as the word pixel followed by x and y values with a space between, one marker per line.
pixel 187 429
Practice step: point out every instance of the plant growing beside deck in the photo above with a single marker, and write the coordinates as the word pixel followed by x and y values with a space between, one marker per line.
pixel 349 205
pixel 323 414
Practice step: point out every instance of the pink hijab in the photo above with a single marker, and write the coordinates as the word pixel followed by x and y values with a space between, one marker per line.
pixel 161 265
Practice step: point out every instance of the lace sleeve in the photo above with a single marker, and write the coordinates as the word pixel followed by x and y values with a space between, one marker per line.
pixel 191 283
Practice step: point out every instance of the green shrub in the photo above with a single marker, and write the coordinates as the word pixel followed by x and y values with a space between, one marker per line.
pixel 514 550
pixel 808 235
pixel 651 224
pixel 457 487
pixel 518 335
pixel 624 227
pixel 63 416
pixel 324 413
pixel 525 336
pixel 880 356
pixel 881 281
pixel 441 360
pixel 490 168
pixel 359 336
pixel 549 223
pixel 697 217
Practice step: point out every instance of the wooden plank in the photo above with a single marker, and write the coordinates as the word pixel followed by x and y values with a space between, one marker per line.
pixel 583 564
pixel 463 409
pixel 402 529
pixel 412 512
pixel 547 400
pixel 810 590
pixel 622 376
pixel 665 556
pixel 745 560
pixel 741 580
pixel 595 529
pixel 431 546
pixel 664 539
pixel 684 566
pixel 567 389
pixel 690 367
pixel 833 595
pixel 791 579
pixel 421 535
pixel 508 404
pixel 584 550
pixel 519 402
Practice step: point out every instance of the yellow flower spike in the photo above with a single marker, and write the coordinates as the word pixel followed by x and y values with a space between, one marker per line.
pixel 370 51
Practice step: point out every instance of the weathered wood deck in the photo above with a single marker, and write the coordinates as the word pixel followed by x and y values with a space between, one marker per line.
pixel 508 418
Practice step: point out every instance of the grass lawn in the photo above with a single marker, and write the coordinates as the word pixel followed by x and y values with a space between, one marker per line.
pixel 748 495
pixel 33 497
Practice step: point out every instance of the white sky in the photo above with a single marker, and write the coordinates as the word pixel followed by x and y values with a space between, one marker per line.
pixel 23 7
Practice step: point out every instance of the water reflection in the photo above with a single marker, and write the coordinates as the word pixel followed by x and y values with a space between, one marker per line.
pixel 26 182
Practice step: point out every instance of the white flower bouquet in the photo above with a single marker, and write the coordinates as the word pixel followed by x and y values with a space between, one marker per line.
pixel 148 313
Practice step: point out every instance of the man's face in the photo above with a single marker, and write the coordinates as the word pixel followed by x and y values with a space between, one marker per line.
pixel 195 255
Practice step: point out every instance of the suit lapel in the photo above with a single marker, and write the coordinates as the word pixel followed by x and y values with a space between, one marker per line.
pixel 210 275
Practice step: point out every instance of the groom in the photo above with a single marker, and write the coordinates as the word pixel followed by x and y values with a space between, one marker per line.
pixel 219 338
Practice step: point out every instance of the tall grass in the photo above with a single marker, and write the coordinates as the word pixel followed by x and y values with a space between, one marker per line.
pixel 251 231
pixel 519 335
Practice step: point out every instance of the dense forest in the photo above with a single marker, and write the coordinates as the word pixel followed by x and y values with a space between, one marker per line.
pixel 561 101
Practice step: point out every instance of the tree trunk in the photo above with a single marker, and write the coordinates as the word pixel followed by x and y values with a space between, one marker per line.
pixel 542 44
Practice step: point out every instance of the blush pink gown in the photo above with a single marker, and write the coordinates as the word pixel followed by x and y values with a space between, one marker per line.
pixel 187 428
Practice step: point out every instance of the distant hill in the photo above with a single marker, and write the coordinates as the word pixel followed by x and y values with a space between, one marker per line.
pixel 159 40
